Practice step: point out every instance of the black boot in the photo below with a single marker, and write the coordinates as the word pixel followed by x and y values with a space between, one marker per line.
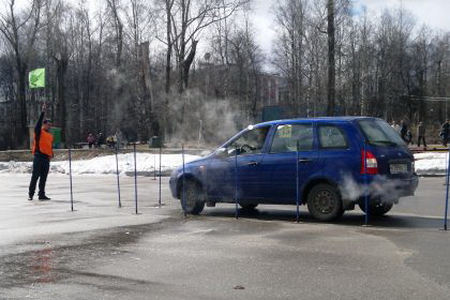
pixel 43 198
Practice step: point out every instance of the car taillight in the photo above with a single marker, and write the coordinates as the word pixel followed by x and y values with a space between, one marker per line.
pixel 369 164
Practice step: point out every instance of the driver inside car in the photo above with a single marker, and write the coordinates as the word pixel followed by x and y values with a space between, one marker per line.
pixel 250 142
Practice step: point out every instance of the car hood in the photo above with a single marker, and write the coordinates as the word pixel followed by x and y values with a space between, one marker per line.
pixel 193 163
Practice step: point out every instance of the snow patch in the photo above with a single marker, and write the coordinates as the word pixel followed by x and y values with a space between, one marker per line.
pixel 428 163
pixel 146 164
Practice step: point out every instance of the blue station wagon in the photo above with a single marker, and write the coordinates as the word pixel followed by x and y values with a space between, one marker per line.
pixel 329 164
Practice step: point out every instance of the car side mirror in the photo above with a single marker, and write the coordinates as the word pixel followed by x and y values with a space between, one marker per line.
pixel 222 152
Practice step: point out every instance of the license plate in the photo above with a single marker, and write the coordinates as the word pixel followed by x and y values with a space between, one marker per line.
pixel 398 168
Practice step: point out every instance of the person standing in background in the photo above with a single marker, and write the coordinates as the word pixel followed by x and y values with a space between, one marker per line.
pixel 43 152
pixel 118 139
pixel 421 135
pixel 404 132
pixel 90 140
pixel 100 140
pixel 445 130
pixel 395 126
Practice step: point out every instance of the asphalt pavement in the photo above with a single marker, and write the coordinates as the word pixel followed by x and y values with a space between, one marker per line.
pixel 103 251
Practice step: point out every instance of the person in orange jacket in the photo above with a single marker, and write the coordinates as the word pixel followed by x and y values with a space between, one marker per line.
pixel 43 152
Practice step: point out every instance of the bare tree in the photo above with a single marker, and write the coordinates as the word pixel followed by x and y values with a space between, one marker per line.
pixel 439 83
pixel 220 48
pixel 187 20
pixel 59 50
pixel 420 53
pixel 139 26
pixel 168 10
pixel 246 55
pixel 114 6
pixel 331 58
pixel 290 49
pixel 21 30
pixel 393 41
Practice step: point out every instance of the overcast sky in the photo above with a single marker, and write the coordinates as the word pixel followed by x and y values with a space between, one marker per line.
pixel 434 13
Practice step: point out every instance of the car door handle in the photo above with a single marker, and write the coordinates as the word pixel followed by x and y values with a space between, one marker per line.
pixel 304 160
pixel 252 163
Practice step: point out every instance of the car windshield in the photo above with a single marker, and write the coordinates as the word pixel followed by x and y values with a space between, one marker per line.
pixel 380 133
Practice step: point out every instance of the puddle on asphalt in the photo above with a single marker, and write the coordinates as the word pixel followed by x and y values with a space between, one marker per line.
pixel 58 257
pixel 64 256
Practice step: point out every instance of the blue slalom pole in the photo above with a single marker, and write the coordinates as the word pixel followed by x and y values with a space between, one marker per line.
pixel 135 179
pixel 366 198
pixel 70 178
pixel 154 167
pixel 297 181
pixel 160 155
pixel 236 184
pixel 117 174
pixel 447 181
pixel 183 199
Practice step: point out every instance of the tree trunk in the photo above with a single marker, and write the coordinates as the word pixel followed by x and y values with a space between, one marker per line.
pixel 187 64
pixel 21 95
pixel 331 59
pixel 169 44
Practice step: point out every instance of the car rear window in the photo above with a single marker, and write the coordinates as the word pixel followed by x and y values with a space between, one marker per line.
pixel 380 133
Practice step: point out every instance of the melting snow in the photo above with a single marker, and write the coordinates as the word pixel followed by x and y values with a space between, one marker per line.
pixel 428 163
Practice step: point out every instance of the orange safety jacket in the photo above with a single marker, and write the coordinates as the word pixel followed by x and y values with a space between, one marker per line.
pixel 43 140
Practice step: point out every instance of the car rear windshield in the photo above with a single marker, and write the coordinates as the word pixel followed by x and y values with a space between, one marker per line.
pixel 380 133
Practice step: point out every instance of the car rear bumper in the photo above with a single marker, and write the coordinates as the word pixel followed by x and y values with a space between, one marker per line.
pixel 389 188
pixel 409 186
pixel 378 188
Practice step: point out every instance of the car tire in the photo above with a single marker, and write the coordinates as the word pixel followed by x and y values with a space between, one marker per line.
pixel 377 209
pixel 193 200
pixel 324 202
pixel 248 206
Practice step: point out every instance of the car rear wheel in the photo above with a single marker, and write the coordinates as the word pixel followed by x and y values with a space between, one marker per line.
pixel 324 202
pixel 377 209
pixel 248 206
pixel 192 198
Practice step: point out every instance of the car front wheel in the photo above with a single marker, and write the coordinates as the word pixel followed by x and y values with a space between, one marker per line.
pixel 324 202
pixel 192 198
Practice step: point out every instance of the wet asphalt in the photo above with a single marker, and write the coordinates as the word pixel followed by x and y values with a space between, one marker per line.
pixel 103 251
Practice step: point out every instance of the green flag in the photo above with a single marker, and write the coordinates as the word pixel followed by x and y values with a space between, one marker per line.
pixel 37 78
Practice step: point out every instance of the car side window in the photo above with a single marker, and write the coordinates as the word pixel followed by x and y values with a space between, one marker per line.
pixel 332 137
pixel 250 142
pixel 288 136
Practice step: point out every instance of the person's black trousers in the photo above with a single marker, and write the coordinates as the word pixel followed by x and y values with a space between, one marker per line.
pixel 41 165
pixel 421 138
